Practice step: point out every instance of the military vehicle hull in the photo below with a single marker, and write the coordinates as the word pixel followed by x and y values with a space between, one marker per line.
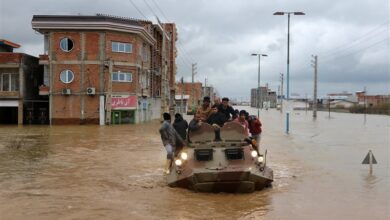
pixel 227 180
pixel 220 162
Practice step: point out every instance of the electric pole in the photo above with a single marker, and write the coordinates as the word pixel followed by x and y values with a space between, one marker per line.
pixel 315 65
pixel 193 86
pixel 281 92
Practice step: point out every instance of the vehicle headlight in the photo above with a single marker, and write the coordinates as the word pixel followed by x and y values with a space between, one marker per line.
pixel 178 162
pixel 260 159
pixel 184 156
pixel 254 153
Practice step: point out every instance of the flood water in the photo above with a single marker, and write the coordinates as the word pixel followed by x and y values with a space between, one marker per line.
pixel 116 172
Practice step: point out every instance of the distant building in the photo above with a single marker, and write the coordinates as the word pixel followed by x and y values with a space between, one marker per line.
pixel 372 100
pixel 209 91
pixel 194 90
pixel 182 104
pixel 341 104
pixel 20 78
pixel 266 98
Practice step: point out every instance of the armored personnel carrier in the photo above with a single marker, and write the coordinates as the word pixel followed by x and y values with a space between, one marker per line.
pixel 226 162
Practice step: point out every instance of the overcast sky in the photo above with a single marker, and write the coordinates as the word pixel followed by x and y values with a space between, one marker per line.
pixel 350 37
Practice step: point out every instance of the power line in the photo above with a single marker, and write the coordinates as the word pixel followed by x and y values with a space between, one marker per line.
pixel 150 8
pixel 357 40
pixel 139 11
pixel 159 9
pixel 180 45
pixel 360 50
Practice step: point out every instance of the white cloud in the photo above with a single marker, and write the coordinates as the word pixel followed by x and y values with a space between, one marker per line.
pixel 220 35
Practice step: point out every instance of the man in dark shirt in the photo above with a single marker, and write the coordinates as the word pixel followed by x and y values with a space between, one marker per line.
pixel 226 109
pixel 180 126
pixel 216 117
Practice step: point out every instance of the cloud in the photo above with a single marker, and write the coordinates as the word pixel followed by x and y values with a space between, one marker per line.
pixel 220 35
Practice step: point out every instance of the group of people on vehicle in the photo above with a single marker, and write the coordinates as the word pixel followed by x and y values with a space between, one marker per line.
pixel 175 136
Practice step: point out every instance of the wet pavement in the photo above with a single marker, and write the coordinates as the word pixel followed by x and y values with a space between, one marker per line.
pixel 115 172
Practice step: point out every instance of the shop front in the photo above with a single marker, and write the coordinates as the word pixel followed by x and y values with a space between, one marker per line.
pixel 124 109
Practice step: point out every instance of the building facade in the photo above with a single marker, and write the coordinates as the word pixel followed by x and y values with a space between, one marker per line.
pixel 102 69
pixel 194 90
pixel 20 77
pixel 372 100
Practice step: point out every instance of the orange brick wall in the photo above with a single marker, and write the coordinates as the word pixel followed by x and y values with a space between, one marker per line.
pixel 92 46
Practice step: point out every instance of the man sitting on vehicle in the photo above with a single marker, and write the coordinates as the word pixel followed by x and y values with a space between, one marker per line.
pixel 216 118
pixel 226 109
pixel 204 110
pixel 241 120
pixel 194 125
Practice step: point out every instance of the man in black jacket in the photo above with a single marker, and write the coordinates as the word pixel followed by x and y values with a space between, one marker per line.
pixel 216 117
pixel 180 126
pixel 217 120
pixel 226 109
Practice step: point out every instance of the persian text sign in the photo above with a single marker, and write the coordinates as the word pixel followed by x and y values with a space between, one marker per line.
pixel 124 102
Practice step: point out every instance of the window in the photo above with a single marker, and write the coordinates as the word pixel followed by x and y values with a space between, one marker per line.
pixel 66 44
pixel 121 47
pixel 204 154
pixel 67 76
pixel 9 82
pixel 144 52
pixel 234 154
pixel 122 77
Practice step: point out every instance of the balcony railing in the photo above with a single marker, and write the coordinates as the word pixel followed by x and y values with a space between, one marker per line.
pixel 43 59
pixel 44 90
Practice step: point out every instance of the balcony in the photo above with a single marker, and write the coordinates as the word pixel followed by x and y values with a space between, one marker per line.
pixel 43 59
pixel 9 94
pixel 145 92
pixel 44 90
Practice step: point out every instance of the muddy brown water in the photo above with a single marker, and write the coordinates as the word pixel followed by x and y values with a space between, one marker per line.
pixel 115 172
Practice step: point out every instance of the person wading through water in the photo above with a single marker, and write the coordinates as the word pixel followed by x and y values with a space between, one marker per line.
pixel 181 126
pixel 171 140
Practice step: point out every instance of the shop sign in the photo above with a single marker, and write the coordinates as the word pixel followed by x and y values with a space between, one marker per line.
pixel 124 102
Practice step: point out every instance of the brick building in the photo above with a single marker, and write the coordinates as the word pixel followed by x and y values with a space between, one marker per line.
pixel 194 90
pixel 372 100
pixel 20 77
pixel 102 68
pixel 267 98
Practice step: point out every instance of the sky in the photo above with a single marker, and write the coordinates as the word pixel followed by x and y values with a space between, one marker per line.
pixel 351 39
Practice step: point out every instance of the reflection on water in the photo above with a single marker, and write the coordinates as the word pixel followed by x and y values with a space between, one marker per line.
pixel 115 172
pixel 370 181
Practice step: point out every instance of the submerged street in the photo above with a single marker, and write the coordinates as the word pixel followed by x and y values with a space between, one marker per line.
pixel 116 172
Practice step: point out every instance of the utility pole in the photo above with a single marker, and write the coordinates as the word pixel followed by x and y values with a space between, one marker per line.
pixel 193 86
pixel 329 106
pixel 182 109
pixel 109 93
pixel 315 65
pixel 281 92
pixel 365 105
pixel 306 103
pixel 205 87
pixel 164 88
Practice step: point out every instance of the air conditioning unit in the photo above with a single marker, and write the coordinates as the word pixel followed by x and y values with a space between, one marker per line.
pixel 91 91
pixel 66 92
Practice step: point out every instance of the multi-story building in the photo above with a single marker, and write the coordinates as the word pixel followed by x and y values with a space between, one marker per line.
pixel 102 68
pixel 266 97
pixel 194 90
pixel 372 100
pixel 20 78
pixel 208 91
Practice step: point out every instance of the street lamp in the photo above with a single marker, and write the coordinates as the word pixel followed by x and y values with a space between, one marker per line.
pixel 258 83
pixel 288 59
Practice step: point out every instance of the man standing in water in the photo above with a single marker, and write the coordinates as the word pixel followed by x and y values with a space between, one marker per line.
pixel 171 140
